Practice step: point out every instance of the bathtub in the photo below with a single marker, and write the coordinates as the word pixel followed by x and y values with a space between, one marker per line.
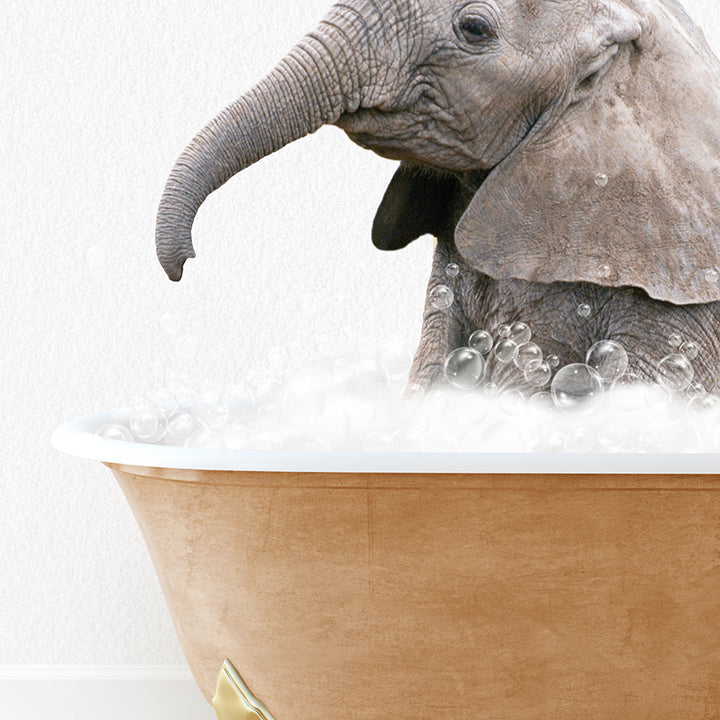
pixel 415 586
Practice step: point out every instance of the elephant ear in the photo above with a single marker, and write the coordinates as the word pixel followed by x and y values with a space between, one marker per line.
pixel 624 187
pixel 417 202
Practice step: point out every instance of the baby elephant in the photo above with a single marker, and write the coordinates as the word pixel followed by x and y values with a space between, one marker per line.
pixel 565 153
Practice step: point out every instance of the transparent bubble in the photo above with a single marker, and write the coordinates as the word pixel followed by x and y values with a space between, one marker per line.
pixel 146 424
pixel 441 297
pixel 695 390
pixel 537 373
pixel 703 402
pixel 268 414
pixel 236 437
pixel 115 431
pixel 576 388
pixel 506 351
pixel 180 425
pixel 512 402
pixel 209 391
pixel 378 442
pixel 302 402
pixel 690 349
pixel 601 179
pixel 163 401
pixel 520 333
pixel 584 310
pixel 527 353
pixel 369 380
pixel 604 271
pixel 204 439
pixel 553 361
pixel 711 275
pixel 452 270
pixel 218 417
pixel 361 412
pixel 503 331
pixel 674 340
pixel 238 398
pixel 608 359
pixel 674 373
pixel 542 400
pixel 625 389
pixel 464 368
pixel 482 341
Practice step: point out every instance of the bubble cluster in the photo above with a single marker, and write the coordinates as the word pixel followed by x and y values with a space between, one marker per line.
pixel 352 402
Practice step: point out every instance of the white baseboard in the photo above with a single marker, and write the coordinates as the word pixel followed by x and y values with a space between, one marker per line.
pixel 101 692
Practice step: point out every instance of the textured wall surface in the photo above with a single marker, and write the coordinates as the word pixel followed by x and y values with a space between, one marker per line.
pixel 98 100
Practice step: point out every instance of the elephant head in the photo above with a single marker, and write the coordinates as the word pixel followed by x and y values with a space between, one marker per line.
pixel 586 130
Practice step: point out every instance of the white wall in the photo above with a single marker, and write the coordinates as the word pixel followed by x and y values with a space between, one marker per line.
pixel 97 100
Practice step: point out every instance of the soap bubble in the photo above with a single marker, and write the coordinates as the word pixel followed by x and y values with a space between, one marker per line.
pixel 711 275
pixel 608 359
pixel 163 401
pixel 439 440
pixel 115 431
pixel 690 349
pixel 537 373
pixel 506 351
pixel 512 402
pixel 527 353
pixel 625 399
pixel 238 398
pixel 218 417
pixel 520 333
pixel 405 440
pixel 601 179
pixel 503 331
pixel 146 424
pixel 542 400
pixel 553 361
pixel 368 379
pixel 604 271
pixel 695 390
pixel 482 341
pixel 203 439
pixel 584 310
pixel 464 368
pixel 582 440
pixel 180 425
pixel 674 373
pixel 576 388
pixel 441 297
pixel 333 424
pixel 674 340
pixel 452 270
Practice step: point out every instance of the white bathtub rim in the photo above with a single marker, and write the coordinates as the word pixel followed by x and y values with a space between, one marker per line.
pixel 77 437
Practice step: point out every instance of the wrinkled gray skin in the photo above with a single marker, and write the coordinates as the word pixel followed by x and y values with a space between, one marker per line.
pixel 502 113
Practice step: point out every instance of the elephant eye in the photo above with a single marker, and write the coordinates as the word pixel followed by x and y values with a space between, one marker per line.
pixel 475 29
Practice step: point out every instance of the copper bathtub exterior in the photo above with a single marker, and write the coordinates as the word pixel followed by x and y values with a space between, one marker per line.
pixel 361 596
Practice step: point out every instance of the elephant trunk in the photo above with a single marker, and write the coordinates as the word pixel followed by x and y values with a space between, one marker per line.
pixel 313 85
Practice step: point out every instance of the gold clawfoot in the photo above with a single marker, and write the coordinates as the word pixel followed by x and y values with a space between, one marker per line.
pixel 233 699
